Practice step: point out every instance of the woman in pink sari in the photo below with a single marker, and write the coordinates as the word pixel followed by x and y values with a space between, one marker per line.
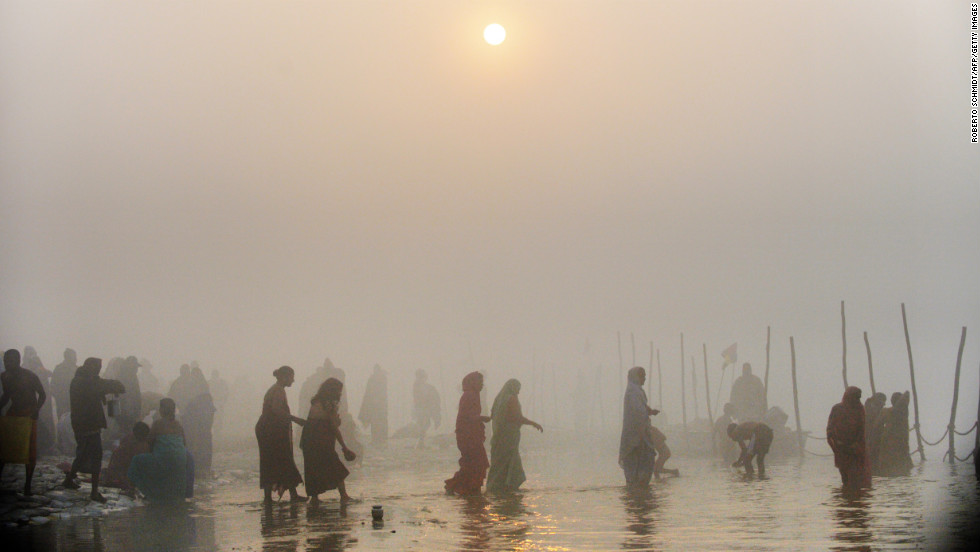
pixel 470 435
pixel 845 435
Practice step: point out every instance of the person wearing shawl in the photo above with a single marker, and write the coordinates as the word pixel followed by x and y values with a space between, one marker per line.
pixel 374 407
pixel 637 453
pixel 845 435
pixel 892 438
pixel 161 475
pixel 470 435
pixel 872 413
pixel 323 469
pixel 506 471
pixel 277 469
pixel 198 419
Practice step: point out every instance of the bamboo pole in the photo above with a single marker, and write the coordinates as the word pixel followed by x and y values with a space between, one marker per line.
pixel 871 371
pixel 843 335
pixel 976 435
pixel 796 400
pixel 765 383
pixel 694 388
pixel 684 395
pixel 554 395
pixel 633 346
pixel 650 373
pixel 619 347
pixel 602 408
pixel 660 383
pixel 707 388
pixel 915 395
pixel 956 398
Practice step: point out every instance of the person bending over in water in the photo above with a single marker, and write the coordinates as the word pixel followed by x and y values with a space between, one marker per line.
pixel 759 437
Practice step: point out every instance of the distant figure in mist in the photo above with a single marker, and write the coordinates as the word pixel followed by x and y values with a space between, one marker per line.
pixel 748 396
pixel 426 410
pixel 46 436
pixel 892 432
pixel 845 435
pixel 61 381
pixel 219 394
pixel 637 452
pixel 182 389
pixel 277 469
pixel 374 407
pixel 506 470
pixel 198 420
pixel 323 469
pixel 872 432
pixel 148 380
pixel 165 473
pixel 719 436
pixel 131 402
pixel 87 394
pixel 470 436
pixel 22 389
pixel 754 440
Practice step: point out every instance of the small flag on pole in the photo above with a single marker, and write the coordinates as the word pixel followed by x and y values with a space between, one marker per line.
pixel 730 355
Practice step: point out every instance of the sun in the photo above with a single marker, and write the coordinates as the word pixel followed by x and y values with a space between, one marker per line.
pixel 494 34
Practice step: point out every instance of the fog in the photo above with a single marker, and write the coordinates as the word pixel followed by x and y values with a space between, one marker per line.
pixel 252 184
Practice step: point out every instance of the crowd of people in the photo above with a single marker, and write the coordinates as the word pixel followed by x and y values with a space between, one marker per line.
pixel 160 443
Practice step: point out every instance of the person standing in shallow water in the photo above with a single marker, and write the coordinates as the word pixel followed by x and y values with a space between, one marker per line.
pixel 506 470
pixel 374 407
pixel 892 438
pixel 23 390
pixel 759 437
pixel 470 435
pixel 845 435
pixel 323 469
pixel 637 451
pixel 277 469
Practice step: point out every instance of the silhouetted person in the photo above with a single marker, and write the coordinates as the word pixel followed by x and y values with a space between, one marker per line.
pixel 197 420
pixel 219 394
pixel 321 433
pixel 22 389
pixel 637 452
pixel 872 432
pixel 426 410
pixel 277 469
pixel 200 383
pixel 470 438
pixel 165 473
pixel 892 433
pixel 726 447
pixel 506 469
pixel 87 394
pixel 136 442
pixel 754 440
pixel 61 381
pixel 748 396
pixel 182 390
pixel 374 407
pixel 845 435
pixel 46 436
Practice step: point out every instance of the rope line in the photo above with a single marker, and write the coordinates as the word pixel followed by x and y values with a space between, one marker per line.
pixel 819 455
pixel 940 440
pixel 967 432
pixel 808 436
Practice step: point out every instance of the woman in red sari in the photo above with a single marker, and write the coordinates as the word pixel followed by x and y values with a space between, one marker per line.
pixel 845 435
pixel 470 435
pixel 277 469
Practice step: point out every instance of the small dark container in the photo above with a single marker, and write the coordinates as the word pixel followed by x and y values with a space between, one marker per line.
pixel 377 513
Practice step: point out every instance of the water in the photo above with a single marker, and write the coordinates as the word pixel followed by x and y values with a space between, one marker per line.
pixel 573 500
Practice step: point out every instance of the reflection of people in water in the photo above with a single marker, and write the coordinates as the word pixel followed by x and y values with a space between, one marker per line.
pixel 853 518
pixel 640 504
pixel 637 450
pixel 476 524
pixel 845 435
pixel 506 470
pixel 754 440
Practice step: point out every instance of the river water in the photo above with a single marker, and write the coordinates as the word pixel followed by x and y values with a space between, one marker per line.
pixel 574 499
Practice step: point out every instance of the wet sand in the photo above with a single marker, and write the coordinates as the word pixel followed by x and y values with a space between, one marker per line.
pixel 573 500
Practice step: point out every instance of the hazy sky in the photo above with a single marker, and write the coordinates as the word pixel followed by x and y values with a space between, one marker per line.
pixel 252 184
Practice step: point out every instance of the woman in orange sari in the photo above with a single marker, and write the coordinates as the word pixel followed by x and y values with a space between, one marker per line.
pixel 470 435
pixel 845 435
